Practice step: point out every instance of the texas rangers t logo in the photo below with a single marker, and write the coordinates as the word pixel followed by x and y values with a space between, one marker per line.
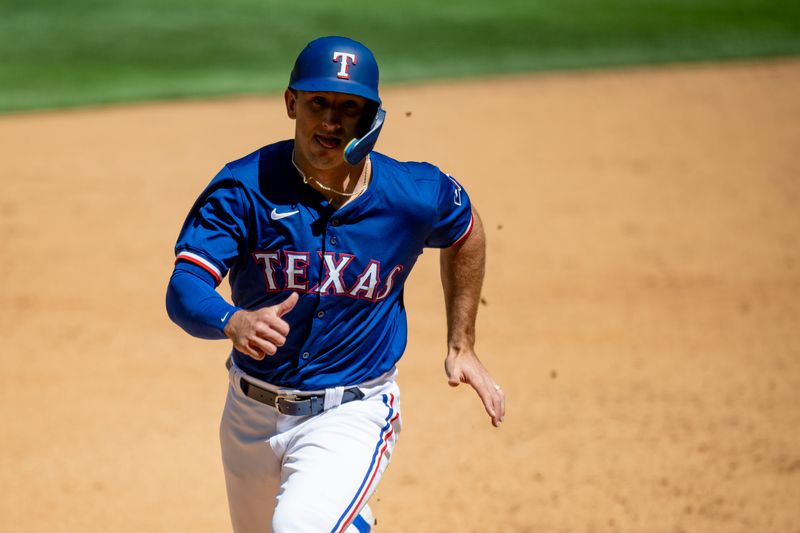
pixel 348 59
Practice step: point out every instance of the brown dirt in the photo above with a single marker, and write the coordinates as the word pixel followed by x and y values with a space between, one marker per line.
pixel 642 306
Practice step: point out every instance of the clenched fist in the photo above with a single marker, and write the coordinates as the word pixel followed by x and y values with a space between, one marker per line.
pixel 260 333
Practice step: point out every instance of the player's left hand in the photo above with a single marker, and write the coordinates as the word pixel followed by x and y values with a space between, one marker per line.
pixel 465 367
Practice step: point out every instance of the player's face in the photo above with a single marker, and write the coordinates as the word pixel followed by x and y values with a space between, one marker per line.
pixel 325 123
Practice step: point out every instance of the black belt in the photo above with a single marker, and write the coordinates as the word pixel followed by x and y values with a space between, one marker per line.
pixel 293 404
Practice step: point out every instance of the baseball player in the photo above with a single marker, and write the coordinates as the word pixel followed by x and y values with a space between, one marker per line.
pixel 318 235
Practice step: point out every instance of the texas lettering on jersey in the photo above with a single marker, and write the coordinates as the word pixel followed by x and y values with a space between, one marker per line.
pixel 288 270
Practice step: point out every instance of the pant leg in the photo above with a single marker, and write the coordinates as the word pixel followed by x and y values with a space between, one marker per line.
pixel 334 461
pixel 252 469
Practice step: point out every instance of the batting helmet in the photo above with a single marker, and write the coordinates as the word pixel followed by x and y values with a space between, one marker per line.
pixel 342 65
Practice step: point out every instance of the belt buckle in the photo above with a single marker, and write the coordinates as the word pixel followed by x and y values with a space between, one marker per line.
pixel 290 399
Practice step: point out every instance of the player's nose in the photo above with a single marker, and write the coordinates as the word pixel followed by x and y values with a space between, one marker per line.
pixel 332 118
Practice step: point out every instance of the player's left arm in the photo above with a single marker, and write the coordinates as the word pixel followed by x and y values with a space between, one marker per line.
pixel 462 268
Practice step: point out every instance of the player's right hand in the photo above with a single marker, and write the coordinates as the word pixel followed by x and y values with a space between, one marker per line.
pixel 260 333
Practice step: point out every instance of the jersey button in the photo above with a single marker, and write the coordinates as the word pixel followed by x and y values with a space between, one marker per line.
pixel 335 222
pixel 333 240
pixel 320 314
pixel 306 355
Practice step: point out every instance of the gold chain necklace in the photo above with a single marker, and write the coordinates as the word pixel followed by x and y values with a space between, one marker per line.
pixel 306 179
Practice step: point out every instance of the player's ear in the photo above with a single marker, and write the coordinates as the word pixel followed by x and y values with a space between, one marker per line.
pixel 290 97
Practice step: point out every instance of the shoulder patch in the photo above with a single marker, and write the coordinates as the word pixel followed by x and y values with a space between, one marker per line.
pixel 457 190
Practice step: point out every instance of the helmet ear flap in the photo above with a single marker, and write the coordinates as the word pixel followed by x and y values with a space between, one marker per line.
pixel 357 149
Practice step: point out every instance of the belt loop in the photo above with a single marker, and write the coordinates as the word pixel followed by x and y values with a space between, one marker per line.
pixel 333 398
pixel 231 372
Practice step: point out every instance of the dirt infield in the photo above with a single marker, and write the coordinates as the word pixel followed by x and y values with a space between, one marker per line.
pixel 641 309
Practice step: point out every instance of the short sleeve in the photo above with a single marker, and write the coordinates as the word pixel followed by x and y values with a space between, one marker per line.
pixel 453 220
pixel 214 234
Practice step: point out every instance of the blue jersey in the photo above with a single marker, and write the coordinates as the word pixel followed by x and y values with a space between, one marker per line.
pixel 259 222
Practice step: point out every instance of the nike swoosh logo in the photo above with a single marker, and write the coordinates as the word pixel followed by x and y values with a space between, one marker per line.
pixel 274 215
pixel 226 316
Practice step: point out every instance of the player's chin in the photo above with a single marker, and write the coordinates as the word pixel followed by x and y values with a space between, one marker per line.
pixel 326 158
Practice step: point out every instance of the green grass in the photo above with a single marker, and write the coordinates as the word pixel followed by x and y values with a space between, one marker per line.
pixel 57 53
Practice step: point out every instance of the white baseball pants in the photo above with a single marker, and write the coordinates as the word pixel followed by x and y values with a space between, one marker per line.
pixel 306 474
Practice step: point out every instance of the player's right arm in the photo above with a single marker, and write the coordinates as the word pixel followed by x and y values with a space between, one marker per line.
pixel 212 239
pixel 195 305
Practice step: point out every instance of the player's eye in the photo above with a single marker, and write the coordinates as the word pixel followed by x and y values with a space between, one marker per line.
pixel 351 107
pixel 319 101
